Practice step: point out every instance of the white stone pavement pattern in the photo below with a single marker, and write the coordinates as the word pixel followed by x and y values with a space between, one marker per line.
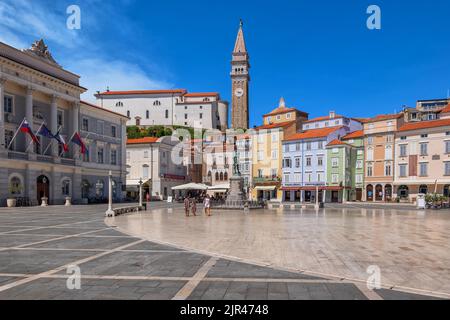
pixel 37 245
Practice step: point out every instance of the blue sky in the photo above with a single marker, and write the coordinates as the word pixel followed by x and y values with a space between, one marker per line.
pixel 319 55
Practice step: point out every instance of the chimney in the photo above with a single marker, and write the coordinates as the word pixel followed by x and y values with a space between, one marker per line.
pixel 332 114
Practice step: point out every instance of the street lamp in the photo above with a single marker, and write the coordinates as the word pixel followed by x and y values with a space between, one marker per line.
pixel 110 212
pixel 140 192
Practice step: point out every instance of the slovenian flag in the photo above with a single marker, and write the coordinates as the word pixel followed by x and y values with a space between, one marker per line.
pixel 25 128
pixel 78 141
pixel 61 141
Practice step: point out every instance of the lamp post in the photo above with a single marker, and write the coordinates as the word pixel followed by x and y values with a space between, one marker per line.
pixel 140 192
pixel 110 212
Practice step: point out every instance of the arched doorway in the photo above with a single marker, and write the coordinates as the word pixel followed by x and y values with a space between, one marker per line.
pixel 403 192
pixel 388 192
pixel 369 192
pixel 446 191
pixel 423 189
pixel 42 188
pixel 379 192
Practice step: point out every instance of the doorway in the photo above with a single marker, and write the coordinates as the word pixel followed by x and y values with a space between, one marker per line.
pixel 358 194
pixel 42 189
pixel 334 196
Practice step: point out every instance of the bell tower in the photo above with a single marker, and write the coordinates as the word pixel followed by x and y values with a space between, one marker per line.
pixel 240 78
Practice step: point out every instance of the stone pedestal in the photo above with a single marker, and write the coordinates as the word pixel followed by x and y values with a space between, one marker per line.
pixel 236 187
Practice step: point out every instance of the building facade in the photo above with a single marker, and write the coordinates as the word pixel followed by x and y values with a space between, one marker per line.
pixel 168 108
pixel 379 150
pixel 356 141
pixel 158 163
pixel 422 159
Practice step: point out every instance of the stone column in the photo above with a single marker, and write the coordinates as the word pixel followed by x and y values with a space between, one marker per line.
pixel 29 117
pixel 384 193
pixel 2 115
pixel 324 196
pixel 76 186
pixel 54 124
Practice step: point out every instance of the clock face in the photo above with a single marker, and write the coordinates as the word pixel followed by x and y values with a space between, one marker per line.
pixel 239 92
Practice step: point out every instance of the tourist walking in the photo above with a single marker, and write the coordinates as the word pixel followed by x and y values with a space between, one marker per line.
pixel 187 204
pixel 207 205
pixel 194 206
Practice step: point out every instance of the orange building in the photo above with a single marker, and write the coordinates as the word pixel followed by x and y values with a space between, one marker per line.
pixel 379 145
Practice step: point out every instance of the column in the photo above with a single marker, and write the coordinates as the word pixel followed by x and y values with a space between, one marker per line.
pixel 384 193
pixel 324 196
pixel 54 124
pixel 301 196
pixel 2 114
pixel 29 117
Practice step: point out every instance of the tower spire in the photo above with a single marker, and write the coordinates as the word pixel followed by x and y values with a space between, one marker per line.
pixel 240 47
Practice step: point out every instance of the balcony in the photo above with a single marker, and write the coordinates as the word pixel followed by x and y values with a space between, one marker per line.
pixel 266 179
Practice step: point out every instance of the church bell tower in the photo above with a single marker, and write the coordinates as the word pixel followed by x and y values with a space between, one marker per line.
pixel 240 78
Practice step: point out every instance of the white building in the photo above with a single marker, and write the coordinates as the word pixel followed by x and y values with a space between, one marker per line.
pixel 150 160
pixel 168 108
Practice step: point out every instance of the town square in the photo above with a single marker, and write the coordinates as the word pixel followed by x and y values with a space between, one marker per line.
pixel 257 168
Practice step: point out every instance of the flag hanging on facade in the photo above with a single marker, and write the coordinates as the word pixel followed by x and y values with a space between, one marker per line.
pixel 45 132
pixel 78 141
pixel 25 128
pixel 61 141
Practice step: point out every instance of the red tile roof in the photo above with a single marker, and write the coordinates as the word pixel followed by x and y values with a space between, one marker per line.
pixel 103 109
pixel 446 109
pixel 383 117
pixel 354 135
pixel 425 125
pixel 337 142
pixel 314 133
pixel 202 94
pixel 324 118
pixel 278 111
pixel 145 140
pixel 275 125
pixel 136 92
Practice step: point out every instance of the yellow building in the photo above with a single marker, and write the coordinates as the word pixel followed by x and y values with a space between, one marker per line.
pixel 267 150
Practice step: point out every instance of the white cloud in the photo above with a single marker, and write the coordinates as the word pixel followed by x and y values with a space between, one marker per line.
pixel 98 74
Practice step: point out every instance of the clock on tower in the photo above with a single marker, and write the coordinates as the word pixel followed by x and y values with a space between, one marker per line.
pixel 240 78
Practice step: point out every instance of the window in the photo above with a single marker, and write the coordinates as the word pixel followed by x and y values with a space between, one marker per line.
pixel 387 169
pixel 128 114
pixel 274 173
pixel 286 178
pixel 335 150
pixel 319 177
pixel 85 124
pixel 201 115
pixel 99 188
pixel 359 164
pixel 288 116
pixel 113 131
pixel 370 140
pixel 260 138
pixel 278 117
pixel 389 139
pixel 447 146
pixel 308 146
pixel 274 137
pixel 145 154
pixel 334 178
pixel 424 136
pixel 388 152
pixel 320 145
pixel 60 118
pixel 15 186
pixel 327 124
pixel 335 162
pixel 260 173
pixel 424 169
pixel 260 155
pixel 297 146
pixel 370 154
pixel 447 169
pixel 100 153
pixel 274 154
pixel 308 161
pixel 424 149
pixel 369 171
pixel 100 127
pixel 147 114
pixel 114 157
pixel 297 162
pixel 65 186
pixel 403 151
pixel 157 103
pixel 145 174
pixel 9 134
pixel 287 163
pixel 309 177
pixel 403 138
pixel 167 114
pixel 359 178
pixel 403 168
pixel 8 104
pixel 119 104
pixel 185 116
pixel 268 119
pixel 320 161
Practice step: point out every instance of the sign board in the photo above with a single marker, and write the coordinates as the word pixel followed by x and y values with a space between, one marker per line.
pixel 169 199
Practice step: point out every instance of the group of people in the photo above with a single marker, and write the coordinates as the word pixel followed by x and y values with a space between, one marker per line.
pixel 190 205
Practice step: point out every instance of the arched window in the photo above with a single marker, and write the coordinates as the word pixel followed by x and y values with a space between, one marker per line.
pixel 206 100
pixel 15 186
pixel 157 103
pixel 221 176
pixel 100 188
pixel 209 174
pixel 226 176
pixel 217 176
pixel 145 171
pixel 403 192
pixel 423 189
pixel 65 187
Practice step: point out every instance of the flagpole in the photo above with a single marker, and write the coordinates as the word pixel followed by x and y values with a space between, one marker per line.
pixel 68 142
pixel 15 134
pixel 37 132
pixel 57 132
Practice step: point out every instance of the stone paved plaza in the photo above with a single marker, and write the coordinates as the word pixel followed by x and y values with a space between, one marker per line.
pixel 37 245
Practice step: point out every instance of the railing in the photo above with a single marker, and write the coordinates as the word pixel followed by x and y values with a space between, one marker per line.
pixel 68 162
pixel 266 179
pixel 17 155
pixel 41 158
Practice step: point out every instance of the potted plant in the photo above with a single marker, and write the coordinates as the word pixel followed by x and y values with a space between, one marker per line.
pixel 14 189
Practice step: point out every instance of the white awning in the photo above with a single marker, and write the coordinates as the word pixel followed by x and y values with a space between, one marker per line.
pixel 191 186
pixel 225 187
pixel 135 182
pixel 264 188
